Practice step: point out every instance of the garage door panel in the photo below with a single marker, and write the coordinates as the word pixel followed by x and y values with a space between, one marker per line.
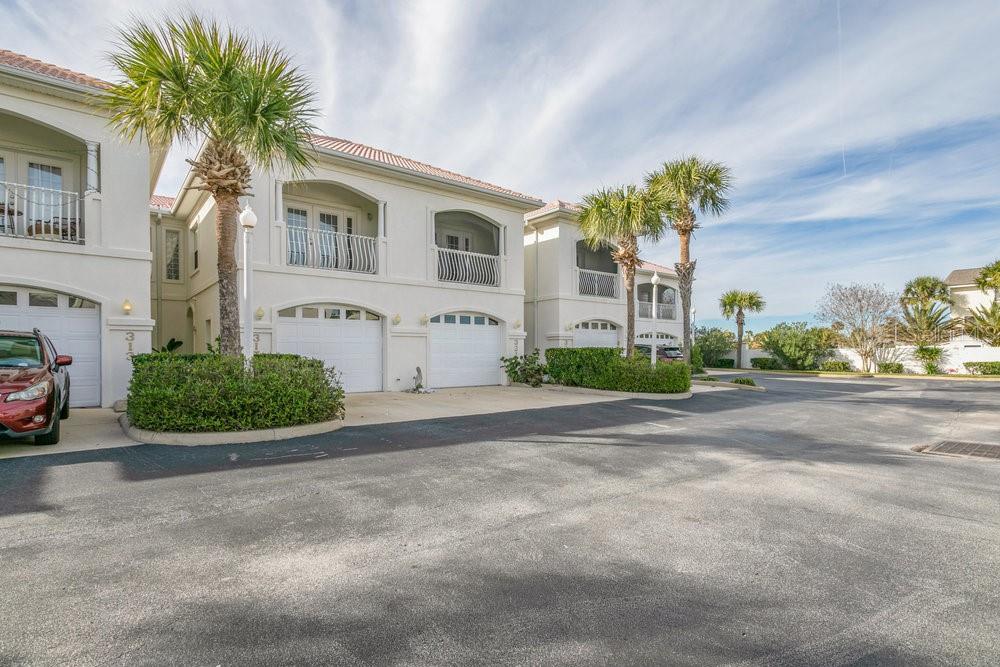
pixel 464 355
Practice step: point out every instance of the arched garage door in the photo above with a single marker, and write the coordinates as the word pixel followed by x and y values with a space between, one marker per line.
pixel 71 322
pixel 595 333
pixel 465 350
pixel 348 338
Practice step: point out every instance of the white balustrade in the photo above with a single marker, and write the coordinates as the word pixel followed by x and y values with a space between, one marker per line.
pixel 323 249
pixel 473 268
pixel 40 213
pixel 597 283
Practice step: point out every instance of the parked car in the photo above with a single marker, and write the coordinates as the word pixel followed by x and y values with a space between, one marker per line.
pixel 34 387
pixel 663 353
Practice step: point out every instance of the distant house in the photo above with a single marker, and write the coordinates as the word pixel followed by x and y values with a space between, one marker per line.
pixel 967 297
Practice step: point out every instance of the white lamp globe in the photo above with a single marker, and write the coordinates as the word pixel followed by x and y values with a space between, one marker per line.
pixel 248 218
pixel 655 279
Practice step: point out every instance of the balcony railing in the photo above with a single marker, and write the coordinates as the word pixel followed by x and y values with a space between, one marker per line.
pixel 473 268
pixel 597 283
pixel 40 213
pixel 322 249
pixel 664 311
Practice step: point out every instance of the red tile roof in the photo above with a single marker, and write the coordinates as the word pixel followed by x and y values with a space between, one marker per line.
pixel 378 155
pixel 554 205
pixel 161 201
pixel 24 63
pixel 657 268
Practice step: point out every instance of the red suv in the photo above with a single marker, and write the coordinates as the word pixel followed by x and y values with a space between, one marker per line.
pixel 34 387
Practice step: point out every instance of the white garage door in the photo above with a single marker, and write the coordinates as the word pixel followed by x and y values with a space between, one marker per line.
pixel 595 333
pixel 73 324
pixel 465 350
pixel 345 337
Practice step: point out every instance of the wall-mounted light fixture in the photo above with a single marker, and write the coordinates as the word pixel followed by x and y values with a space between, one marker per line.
pixel 396 319
pixel 424 320
pixel 259 313
pixel 127 307
pixel 517 324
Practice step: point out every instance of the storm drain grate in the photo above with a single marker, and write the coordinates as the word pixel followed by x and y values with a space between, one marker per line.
pixel 960 448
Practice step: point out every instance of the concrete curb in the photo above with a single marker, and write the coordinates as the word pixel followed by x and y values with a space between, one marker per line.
pixel 605 392
pixel 724 384
pixel 232 438
pixel 866 376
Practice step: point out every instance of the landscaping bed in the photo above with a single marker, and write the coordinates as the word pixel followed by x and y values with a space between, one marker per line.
pixel 212 393
pixel 604 368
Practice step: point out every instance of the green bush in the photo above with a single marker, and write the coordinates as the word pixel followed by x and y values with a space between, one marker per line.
pixel 983 367
pixel 836 366
pixel 892 367
pixel 527 369
pixel 744 380
pixel 212 392
pixel 697 360
pixel 709 378
pixel 797 346
pixel 930 356
pixel 724 363
pixel 714 343
pixel 605 368
pixel 765 363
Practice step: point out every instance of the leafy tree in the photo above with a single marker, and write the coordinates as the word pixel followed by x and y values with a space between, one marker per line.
pixel 862 313
pixel 619 217
pixel 714 343
pixel 683 187
pixel 984 324
pixel 925 291
pixel 738 302
pixel 797 345
pixel 192 79
pixel 988 279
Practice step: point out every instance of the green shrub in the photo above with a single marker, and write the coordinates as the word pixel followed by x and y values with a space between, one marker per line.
pixel 709 378
pixel 527 369
pixel 744 380
pixel 697 360
pixel 797 346
pixel 212 392
pixel 983 367
pixel 765 363
pixel 930 356
pixel 724 363
pixel 605 368
pixel 836 366
pixel 714 343
pixel 893 367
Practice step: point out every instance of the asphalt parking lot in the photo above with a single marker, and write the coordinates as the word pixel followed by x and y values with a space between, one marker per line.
pixel 781 528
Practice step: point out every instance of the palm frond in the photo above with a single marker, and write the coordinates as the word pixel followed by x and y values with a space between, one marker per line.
pixel 924 291
pixel 735 301
pixel 984 324
pixel 692 184
pixel 988 279
pixel 620 215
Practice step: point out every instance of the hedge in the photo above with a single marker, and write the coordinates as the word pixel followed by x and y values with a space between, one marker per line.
pixel 892 367
pixel 724 363
pixel 765 363
pixel 836 366
pixel 212 392
pixel 983 367
pixel 605 368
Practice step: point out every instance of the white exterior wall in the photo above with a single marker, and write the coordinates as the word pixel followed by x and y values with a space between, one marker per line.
pixel 967 299
pixel 552 289
pixel 113 265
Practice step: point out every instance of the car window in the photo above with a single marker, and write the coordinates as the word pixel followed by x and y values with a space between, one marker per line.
pixel 20 351
pixel 51 348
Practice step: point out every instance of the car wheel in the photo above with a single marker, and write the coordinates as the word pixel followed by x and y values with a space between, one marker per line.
pixel 64 413
pixel 52 437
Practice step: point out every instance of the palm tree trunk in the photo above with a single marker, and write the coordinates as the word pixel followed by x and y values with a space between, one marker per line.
pixel 227 212
pixel 629 275
pixel 739 338
pixel 685 276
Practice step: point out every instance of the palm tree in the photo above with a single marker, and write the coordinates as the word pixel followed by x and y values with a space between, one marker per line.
pixel 737 302
pixel 619 217
pixel 988 279
pixel 984 324
pixel 924 291
pixel 688 185
pixel 925 324
pixel 192 79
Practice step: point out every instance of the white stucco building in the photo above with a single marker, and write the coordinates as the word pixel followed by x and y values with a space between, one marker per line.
pixel 74 247
pixel 575 297
pixel 964 292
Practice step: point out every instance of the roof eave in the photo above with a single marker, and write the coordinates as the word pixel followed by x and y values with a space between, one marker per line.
pixel 83 90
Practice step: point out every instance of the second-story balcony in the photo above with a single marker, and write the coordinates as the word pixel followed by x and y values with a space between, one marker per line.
pixel 41 213
pixel 323 249
pixel 597 283
pixel 473 268
pixel 664 311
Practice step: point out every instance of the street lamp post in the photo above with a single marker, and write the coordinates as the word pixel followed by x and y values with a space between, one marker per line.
pixel 655 280
pixel 248 220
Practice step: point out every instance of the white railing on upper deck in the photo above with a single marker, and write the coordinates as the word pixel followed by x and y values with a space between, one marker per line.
pixel 40 213
pixel 473 268
pixel 664 311
pixel 322 249
pixel 598 283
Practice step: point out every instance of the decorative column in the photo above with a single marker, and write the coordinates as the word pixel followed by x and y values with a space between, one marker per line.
pixel 383 242
pixel 93 183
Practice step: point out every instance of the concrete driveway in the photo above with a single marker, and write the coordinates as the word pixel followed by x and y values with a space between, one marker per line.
pixel 86 429
pixel 781 528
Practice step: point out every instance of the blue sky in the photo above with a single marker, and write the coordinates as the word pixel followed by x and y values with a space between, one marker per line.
pixel 865 153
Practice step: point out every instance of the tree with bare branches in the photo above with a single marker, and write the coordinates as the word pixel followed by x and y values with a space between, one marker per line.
pixel 862 312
